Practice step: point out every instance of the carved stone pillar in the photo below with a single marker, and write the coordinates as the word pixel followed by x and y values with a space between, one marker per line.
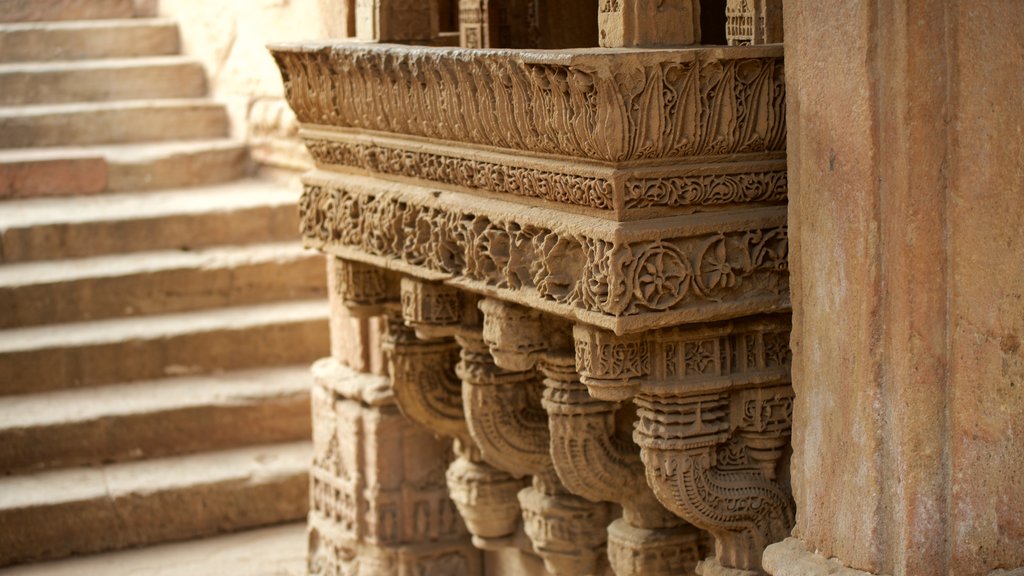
pixel 379 504
pixel 715 411
pixel 428 391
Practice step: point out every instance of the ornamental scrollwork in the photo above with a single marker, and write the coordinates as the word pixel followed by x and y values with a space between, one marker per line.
pixel 607 277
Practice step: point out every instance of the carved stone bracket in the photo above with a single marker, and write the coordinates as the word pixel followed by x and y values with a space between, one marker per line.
pixel 715 410
pixel 590 455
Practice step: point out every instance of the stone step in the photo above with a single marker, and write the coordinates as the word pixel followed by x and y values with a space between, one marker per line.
pixel 81 510
pixel 83 124
pixel 234 213
pixel 61 10
pixel 101 80
pixel 275 551
pixel 164 282
pixel 88 39
pixel 41 358
pixel 36 172
pixel 171 416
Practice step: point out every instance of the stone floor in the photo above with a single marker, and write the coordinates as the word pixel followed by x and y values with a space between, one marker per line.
pixel 277 551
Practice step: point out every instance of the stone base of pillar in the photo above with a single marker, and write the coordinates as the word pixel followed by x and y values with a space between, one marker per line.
pixel 792 558
pixel 333 556
pixel 711 567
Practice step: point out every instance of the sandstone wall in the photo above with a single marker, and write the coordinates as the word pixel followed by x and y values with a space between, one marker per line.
pixel 230 38
pixel 905 167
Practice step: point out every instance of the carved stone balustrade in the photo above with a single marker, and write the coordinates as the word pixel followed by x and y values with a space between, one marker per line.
pixel 587 240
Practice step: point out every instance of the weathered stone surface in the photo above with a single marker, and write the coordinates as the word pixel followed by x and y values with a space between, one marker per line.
pixel 183 219
pixel 136 503
pixel 28 175
pixel 649 23
pixel 276 551
pixel 84 354
pixel 101 80
pixel 86 40
pixel 905 154
pixel 158 283
pixel 50 10
pixel 153 419
pixel 83 124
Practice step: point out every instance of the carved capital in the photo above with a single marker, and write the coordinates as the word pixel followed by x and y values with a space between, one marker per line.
pixel 431 308
pixel 514 334
pixel 612 367
pixel 714 424
pixel 364 289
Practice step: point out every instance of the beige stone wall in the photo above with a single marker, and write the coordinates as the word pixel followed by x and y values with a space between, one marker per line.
pixel 230 38
pixel 906 181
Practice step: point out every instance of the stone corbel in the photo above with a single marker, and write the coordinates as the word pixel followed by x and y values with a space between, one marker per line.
pixel 592 459
pixel 423 356
pixel 715 409
pixel 364 290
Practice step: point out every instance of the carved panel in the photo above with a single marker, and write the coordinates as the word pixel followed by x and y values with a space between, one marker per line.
pixel 712 269
pixel 612 106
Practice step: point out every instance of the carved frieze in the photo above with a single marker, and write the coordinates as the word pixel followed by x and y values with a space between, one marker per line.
pixel 619 132
pixel 623 277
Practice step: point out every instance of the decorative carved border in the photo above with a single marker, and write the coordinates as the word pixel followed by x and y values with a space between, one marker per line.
pixel 609 106
pixel 617 277
pixel 682 186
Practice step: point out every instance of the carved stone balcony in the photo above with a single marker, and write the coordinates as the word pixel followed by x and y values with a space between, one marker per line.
pixel 570 244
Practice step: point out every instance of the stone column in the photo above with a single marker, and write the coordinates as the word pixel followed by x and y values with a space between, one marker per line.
pixel 906 155
pixel 379 499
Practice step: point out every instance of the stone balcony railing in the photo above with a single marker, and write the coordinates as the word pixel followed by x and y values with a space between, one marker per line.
pixel 568 245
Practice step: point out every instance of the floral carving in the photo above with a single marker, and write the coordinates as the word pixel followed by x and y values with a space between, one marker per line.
pixel 612 278
pixel 708 190
pixel 612 107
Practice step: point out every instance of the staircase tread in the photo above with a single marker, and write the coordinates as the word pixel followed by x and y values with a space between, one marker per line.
pixel 154 104
pixel 142 62
pixel 239 194
pixel 151 396
pixel 86 24
pixel 252 465
pixel 115 265
pixel 276 551
pixel 118 153
pixel 150 327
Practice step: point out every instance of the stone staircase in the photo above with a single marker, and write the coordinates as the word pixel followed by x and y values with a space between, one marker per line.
pixel 157 315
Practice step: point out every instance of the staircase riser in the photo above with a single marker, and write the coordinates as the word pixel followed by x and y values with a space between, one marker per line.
pixel 101 85
pixel 139 519
pixel 44 369
pixel 113 126
pixel 183 170
pixel 50 242
pixel 56 177
pixel 162 292
pixel 157 434
pixel 62 10
pixel 42 45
